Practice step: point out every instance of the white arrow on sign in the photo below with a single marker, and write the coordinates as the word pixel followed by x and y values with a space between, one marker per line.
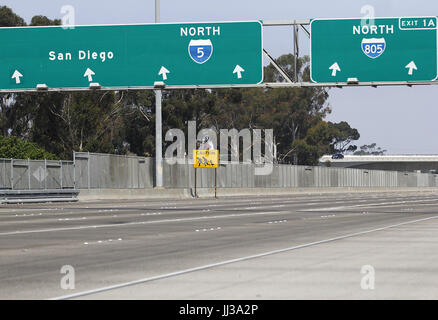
pixel 335 68
pixel 238 69
pixel 163 72
pixel 17 75
pixel 89 73
pixel 411 66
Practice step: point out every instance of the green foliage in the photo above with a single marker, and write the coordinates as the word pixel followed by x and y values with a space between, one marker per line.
pixel 343 136
pixel 12 147
pixel 370 149
pixel 9 19
pixel 44 21
pixel 315 144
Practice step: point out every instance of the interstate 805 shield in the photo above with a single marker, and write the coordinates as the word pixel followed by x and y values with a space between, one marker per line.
pixel 373 47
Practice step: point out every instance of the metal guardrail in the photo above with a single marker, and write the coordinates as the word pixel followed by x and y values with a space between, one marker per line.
pixel 32 196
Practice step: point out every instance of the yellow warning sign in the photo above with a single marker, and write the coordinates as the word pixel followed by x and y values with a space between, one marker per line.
pixel 205 159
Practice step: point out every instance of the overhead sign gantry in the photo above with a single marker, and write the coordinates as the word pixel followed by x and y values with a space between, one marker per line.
pixel 388 51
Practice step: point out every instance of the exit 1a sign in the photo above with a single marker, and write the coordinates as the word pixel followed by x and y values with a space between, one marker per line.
pixel 129 56
pixel 386 50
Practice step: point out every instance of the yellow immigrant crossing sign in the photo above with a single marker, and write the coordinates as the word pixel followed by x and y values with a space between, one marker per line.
pixel 206 159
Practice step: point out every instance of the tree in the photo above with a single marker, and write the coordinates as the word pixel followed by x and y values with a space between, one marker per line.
pixel 295 111
pixel 12 147
pixel 44 21
pixel 139 122
pixel 370 149
pixel 343 136
pixel 290 112
pixel 9 19
pixel 316 143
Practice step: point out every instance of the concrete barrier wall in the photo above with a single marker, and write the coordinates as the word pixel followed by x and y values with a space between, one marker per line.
pixel 101 171
pixel 288 176
pixel 104 171
pixel 121 172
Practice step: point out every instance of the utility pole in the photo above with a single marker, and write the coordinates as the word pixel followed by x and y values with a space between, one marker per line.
pixel 158 122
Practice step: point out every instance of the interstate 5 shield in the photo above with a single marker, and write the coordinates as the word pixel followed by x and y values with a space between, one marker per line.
pixel 200 50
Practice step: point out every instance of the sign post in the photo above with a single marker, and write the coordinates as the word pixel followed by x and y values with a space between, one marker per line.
pixel 158 122
pixel 390 49
pixel 158 140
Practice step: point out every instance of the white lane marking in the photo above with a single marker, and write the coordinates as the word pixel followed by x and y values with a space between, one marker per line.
pixel 102 241
pixel 381 204
pixel 284 199
pixel 263 207
pixel 208 229
pixel 236 215
pixel 72 219
pixel 425 199
pixel 217 264
pixel 28 215
pixel 277 221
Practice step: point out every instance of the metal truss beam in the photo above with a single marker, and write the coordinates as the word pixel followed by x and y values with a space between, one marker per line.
pixel 279 69
pixel 271 23
pixel 271 85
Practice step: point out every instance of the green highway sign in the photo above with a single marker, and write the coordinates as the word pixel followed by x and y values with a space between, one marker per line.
pixel 390 49
pixel 129 56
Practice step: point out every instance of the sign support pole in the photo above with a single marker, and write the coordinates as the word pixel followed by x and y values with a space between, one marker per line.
pixel 158 122
pixel 296 52
pixel 215 183
pixel 157 11
pixel 196 193
pixel 158 141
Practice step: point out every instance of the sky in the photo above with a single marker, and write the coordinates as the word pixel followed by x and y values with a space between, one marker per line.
pixel 401 120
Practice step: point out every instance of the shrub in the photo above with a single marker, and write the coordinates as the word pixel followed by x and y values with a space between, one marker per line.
pixel 13 147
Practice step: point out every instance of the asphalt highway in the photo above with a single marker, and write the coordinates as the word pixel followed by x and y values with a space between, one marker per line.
pixel 282 247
